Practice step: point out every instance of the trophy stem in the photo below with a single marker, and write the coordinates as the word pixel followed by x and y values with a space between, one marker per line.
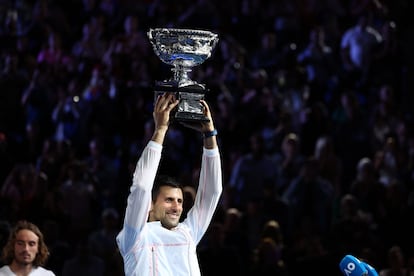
pixel 181 75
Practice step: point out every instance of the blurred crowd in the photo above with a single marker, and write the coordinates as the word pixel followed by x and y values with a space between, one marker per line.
pixel 312 101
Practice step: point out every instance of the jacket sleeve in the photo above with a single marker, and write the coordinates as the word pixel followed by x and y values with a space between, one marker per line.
pixel 208 194
pixel 139 198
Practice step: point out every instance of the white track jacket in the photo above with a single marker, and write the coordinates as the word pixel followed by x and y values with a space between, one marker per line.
pixel 147 248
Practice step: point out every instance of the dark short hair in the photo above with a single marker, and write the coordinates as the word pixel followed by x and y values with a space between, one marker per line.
pixel 164 180
pixel 43 251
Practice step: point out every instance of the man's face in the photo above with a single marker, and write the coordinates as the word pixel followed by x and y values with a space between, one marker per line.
pixel 26 247
pixel 168 207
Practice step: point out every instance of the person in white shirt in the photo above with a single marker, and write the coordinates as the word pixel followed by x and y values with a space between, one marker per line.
pixel 153 241
pixel 25 252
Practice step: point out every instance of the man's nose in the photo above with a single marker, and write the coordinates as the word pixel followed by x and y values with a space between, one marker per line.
pixel 175 204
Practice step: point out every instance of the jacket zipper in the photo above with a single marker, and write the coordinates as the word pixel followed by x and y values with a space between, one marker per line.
pixel 188 237
pixel 153 261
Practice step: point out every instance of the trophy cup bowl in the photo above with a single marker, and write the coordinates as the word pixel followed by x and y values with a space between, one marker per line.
pixel 183 49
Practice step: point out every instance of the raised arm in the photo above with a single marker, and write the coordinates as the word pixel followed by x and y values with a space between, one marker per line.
pixel 139 199
pixel 206 128
pixel 210 181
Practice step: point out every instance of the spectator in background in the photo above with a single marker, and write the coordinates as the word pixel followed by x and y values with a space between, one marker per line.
pixel 368 190
pixel 319 62
pixel 25 252
pixel 387 63
pixel 268 54
pixel 83 263
pixel 15 80
pixel 59 248
pixel 389 161
pixel 79 199
pixel 235 234
pixel 102 170
pixel 201 14
pixel 226 122
pixel 394 224
pixel 358 45
pixel 396 263
pixel 235 70
pixel 329 163
pixel 217 257
pixel 102 241
pixel 268 256
pixel 252 172
pixel 66 114
pixel 310 200
pixel 284 127
pixel 289 161
pixel 384 115
pixel 314 123
pixel 132 42
pixel 37 102
pixel 90 48
pixel 53 53
pixel 352 228
pixel 26 60
pixel 22 190
pixel 350 131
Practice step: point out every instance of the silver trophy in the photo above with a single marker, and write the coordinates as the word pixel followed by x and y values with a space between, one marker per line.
pixel 183 49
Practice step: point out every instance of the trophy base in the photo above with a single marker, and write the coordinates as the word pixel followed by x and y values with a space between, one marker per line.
pixel 189 117
pixel 174 86
pixel 189 108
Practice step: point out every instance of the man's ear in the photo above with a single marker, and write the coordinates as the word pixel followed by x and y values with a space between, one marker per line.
pixel 150 211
